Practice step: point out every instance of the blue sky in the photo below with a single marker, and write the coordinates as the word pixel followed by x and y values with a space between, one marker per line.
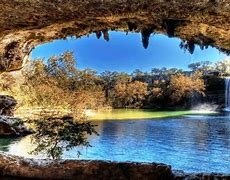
pixel 125 52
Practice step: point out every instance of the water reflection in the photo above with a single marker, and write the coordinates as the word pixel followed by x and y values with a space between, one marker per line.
pixel 189 143
pixel 192 143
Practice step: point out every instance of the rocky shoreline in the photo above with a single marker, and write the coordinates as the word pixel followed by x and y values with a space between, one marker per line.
pixel 181 175
pixel 13 167
pixel 9 125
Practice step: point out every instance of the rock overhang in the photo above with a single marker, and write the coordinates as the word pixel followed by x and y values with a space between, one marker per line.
pixel 25 24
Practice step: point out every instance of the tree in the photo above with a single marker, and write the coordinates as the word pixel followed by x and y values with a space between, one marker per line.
pixel 59 84
pixel 136 93
pixel 182 86
pixel 123 78
pixel 130 94
pixel 156 92
pixel 138 75
pixel 53 136
pixel 120 95
pixel 108 80
pixel 223 67
pixel 86 79
pixel 155 71
pixel 7 82
pixel 201 66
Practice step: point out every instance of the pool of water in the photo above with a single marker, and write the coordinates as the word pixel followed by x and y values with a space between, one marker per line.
pixel 127 114
pixel 193 143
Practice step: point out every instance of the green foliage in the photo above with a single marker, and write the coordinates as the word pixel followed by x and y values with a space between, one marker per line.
pixel 53 136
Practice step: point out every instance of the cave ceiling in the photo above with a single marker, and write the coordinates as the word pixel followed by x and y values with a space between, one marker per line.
pixel 24 24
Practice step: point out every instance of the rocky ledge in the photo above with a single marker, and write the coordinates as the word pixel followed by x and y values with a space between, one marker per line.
pixel 13 167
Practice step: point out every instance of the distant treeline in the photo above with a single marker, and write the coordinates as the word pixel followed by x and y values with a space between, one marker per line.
pixel 58 82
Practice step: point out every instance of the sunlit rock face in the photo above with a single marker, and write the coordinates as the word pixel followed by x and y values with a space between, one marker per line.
pixel 25 24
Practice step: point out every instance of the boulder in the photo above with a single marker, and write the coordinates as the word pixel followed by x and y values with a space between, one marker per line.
pixel 6 129
pixel 7 105
pixel 10 126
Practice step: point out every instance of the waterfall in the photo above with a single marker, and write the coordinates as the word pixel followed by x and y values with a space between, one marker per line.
pixel 227 94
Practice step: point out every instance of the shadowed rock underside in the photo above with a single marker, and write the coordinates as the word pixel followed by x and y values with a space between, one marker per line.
pixel 24 24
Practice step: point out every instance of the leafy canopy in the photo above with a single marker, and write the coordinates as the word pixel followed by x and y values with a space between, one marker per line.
pixel 53 136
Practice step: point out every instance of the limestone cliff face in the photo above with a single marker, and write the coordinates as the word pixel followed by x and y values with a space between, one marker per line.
pixel 24 24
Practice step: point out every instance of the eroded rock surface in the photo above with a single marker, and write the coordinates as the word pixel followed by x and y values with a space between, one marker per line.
pixel 12 166
pixel 7 105
pixel 10 126
pixel 24 24
pixel 180 175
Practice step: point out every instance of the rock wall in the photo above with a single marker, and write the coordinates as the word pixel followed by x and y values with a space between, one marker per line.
pixel 215 91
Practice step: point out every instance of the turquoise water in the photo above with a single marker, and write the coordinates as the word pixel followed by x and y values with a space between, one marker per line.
pixel 193 143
